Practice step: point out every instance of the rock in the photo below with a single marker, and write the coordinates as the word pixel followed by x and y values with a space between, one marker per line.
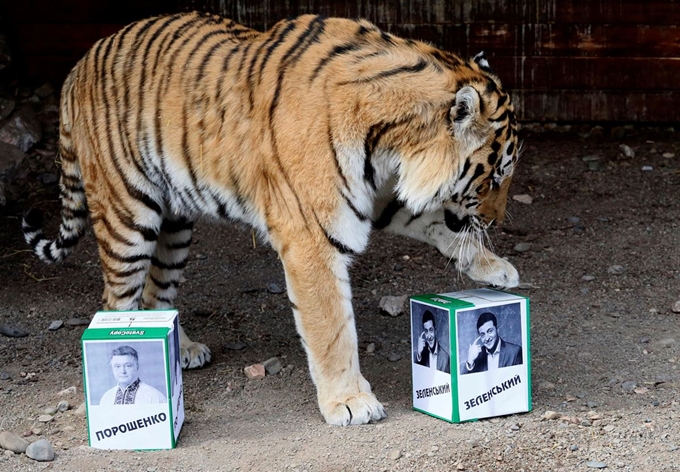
pixel 275 288
pixel 55 325
pixel 5 376
pixel 254 372
pixel 68 391
pixel 37 431
pixel 647 168
pixel 235 346
pixel 394 357
pixel 272 366
pixel 12 331
pixel 596 465
pixel 10 157
pixel 524 198
pixel 370 348
pixel 44 90
pixel 573 447
pixel 63 406
pixel 592 404
pixel 22 129
pixel 45 418
pixel 627 151
pixel 81 410
pixel 40 451
pixel 522 247
pixel 641 390
pixel 663 378
pixel 573 219
pixel 676 307
pixel 78 322
pixel 50 410
pixel 591 158
pixel 594 166
pixel 393 306
pixel 616 270
pixel 629 385
pixel 551 415
pixel 668 155
pixel 588 278
pixel 666 342
pixel 13 442
pixel 395 455
pixel 6 107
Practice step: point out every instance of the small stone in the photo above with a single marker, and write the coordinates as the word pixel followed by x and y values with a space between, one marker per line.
pixel 63 406
pixel 676 307
pixel 545 385
pixel 590 158
pixel 641 390
pixel 588 278
pixel 37 431
pixel 573 219
pixel 78 322
pixel 594 166
pixel 394 306
pixel 574 447
pixel 668 155
pixel 255 371
pixel 585 423
pixel 592 404
pixel 68 391
pixel 395 455
pixel 644 339
pixel 5 376
pixel 272 366
pixel 524 198
pixel 55 325
pixel 41 451
pixel 275 288
pixel 50 410
pixel 551 415
pixel 200 256
pixel 13 442
pixel 45 418
pixel 629 385
pixel 615 270
pixel 522 247
pixel 596 465
pixel 608 429
pixel 12 331
pixel 370 348
pixel 81 410
pixel 666 342
pixel 627 151
pixel 663 378
pixel 647 168
pixel 394 357
pixel 235 346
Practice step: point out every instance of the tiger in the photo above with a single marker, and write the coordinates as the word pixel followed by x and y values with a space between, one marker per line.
pixel 315 133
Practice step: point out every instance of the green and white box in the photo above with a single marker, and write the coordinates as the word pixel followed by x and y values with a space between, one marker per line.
pixel 470 355
pixel 131 367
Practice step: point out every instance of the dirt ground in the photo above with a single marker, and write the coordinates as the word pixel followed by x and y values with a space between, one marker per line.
pixel 605 351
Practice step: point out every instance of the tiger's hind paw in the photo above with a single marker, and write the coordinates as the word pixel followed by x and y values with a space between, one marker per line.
pixel 194 355
pixel 361 408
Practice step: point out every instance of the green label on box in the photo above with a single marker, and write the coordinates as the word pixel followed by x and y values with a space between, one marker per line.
pixel 124 333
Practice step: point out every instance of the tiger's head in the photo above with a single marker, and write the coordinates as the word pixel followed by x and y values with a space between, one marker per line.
pixel 466 160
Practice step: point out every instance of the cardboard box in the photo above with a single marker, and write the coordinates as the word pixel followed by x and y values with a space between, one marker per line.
pixel 131 367
pixel 489 328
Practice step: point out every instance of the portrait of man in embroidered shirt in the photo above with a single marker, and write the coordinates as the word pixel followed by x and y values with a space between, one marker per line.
pixel 429 351
pixel 489 351
pixel 129 390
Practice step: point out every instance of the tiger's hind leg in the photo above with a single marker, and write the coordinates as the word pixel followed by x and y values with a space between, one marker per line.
pixel 317 278
pixel 165 272
pixel 469 254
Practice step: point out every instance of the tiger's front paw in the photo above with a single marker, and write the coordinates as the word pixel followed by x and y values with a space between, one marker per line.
pixel 194 355
pixel 361 408
pixel 490 269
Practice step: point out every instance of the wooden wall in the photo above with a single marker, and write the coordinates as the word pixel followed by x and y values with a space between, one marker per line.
pixel 563 60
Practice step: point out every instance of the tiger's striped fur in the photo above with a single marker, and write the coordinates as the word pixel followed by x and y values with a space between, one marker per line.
pixel 314 132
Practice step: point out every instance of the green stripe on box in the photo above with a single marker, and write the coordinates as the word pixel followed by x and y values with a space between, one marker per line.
pixel 98 334
pixel 442 301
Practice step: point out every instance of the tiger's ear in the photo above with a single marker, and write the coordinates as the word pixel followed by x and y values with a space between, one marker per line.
pixel 466 118
pixel 480 60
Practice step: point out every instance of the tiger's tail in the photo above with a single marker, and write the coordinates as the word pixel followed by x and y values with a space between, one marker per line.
pixel 73 202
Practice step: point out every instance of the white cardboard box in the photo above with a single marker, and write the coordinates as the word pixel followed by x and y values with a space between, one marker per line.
pixel 131 367
pixel 444 329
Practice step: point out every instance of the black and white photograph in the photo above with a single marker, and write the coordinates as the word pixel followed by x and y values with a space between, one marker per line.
pixel 430 326
pixel 489 338
pixel 125 372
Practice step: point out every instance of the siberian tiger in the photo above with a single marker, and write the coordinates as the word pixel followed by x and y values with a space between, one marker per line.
pixel 314 132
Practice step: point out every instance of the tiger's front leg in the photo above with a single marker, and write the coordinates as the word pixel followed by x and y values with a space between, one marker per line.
pixel 468 252
pixel 319 289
